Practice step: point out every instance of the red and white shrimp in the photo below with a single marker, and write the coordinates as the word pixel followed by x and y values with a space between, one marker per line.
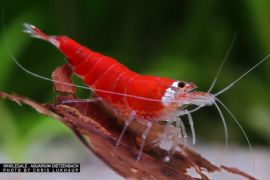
pixel 147 99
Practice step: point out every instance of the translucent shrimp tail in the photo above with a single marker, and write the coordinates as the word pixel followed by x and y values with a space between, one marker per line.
pixel 34 31
pixel 223 62
pixel 242 129
pixel 238 79
pixel 37 33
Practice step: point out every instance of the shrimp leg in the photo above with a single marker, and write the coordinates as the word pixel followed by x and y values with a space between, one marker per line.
pixel 173 135
pixel 144 136
pixel 128 121
pixel 166 129
pixel 191 127
pixel 179 123
pixel 191 123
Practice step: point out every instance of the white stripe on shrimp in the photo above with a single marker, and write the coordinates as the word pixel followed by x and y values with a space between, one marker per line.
pixel 169 95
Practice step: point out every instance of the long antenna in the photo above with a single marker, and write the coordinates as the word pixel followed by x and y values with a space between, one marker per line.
pixel 238 79
pixel 224 125
pixel 241 128
pixel 223 62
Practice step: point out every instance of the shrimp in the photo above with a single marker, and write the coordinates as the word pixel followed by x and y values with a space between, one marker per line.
pixel 131 96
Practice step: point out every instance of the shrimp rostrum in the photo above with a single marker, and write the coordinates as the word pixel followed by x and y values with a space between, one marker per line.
pixel 131 96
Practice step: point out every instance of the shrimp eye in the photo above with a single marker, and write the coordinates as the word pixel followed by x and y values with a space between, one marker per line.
pixel 181 84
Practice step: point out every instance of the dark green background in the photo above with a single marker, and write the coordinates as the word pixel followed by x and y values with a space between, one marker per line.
pixel 184 40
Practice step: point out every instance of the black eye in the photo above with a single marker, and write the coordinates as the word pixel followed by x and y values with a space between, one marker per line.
pixel 181 84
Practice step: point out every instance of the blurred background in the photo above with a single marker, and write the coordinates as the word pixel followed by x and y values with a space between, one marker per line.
pixel 184 40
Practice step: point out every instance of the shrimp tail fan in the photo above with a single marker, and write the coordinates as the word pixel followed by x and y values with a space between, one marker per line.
pixel 37 33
